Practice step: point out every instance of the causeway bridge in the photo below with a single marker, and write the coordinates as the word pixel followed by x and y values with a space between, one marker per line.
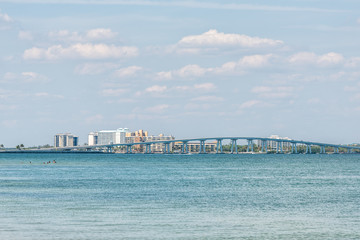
pixel 293 145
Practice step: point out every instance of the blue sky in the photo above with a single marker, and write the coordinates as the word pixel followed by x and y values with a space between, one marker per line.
pixel 186 68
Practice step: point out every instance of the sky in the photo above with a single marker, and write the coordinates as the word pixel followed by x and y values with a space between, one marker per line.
pixel 183 68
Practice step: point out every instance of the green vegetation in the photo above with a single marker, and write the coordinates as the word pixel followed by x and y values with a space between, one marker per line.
pixel 20 146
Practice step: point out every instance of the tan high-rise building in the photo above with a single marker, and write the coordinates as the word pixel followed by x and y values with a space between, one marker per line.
pixel 65 140
pixel 143 136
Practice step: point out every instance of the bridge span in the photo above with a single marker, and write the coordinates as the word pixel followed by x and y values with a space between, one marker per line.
pixel 292 146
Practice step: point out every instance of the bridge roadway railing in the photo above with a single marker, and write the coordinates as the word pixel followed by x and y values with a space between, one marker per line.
pixel 233 140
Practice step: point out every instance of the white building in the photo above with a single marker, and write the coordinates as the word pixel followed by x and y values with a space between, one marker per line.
pixel 272 145
pixel 120 135
pixel 93 138
pixel 104 137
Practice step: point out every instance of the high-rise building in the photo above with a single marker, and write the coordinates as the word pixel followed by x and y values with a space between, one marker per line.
pixel 104 137
pixel 120 135
pixel 142 136
pixel 66 140
pixel 273 145
pixel 93 138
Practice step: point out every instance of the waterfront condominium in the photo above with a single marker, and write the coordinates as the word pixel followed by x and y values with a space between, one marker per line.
pixel 104 137
pixel 65 140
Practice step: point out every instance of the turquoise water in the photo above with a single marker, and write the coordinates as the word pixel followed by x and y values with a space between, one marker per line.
pixel 93 196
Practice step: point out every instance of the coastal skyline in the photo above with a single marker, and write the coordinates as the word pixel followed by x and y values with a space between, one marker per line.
pixel 189 69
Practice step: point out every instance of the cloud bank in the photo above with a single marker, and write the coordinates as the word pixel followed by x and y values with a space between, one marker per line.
pixel 82 51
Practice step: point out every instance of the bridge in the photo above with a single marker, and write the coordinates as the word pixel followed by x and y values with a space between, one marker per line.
pixel 263 146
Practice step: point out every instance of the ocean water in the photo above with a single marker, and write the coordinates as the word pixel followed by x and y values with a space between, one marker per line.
pixel 117 196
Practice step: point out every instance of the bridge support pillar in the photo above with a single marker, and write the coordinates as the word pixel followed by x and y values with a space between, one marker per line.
pixel 219 146
pixel 148 148
pixel 281 147
pixel 266 145
pixel 322 149
pixel 250 145
pixel 185 147
pixel 109 149
pixel 233 145
pixel 202 146
pixel 166 148
pixel 128 149
pixel 262 146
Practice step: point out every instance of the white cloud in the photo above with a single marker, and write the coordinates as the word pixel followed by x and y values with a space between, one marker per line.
pixel 158 108
pixel 88 36
pixel 188 71
pixel 330 59
pixel 355 97
pixel 353 62
pixel 239 67
pixel 303 58
pixel 113 92
pixel 205 86
pixel 164 75
pixel 309 58
pixel 4 94
pixel 65 36
pixel 351 88
pixel 25 35
pixel 95 68
pixel 128 71
pixel 249 104
pixel 33 77
pixel 156 89
pixel 46 94
pixel 7 107
pixel 214 41
pixel 191 70
pixel 196 107
pixel 5 18
pixel 182 88
pixel 84 51
pixel 253 61
pixel 313 101
pixel 27 77
pixel 215 38
pixel 208 99
pixel 273 92
pixel 9 123
pixel 6 22
pixel 41 94
pixel 100 33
